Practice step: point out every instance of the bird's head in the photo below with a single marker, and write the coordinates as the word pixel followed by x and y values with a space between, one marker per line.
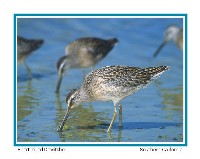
pixel 62 64
pixel 171 33
pixel 72 99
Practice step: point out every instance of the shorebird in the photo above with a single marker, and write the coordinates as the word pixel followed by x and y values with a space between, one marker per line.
pixel 83 52
pixel 111 83
pixel 172 33
pixel 25 47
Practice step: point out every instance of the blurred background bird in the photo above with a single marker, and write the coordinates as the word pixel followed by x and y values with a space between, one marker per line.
pixel 172 33
pixel 82 53
pixel 25 48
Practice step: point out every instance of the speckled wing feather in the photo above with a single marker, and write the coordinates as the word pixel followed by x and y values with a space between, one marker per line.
pixel 126 76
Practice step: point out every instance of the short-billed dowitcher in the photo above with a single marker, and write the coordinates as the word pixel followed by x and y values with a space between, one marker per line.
pixel 111 83
pixel 25 47
pixel 83 52
pixel 172 33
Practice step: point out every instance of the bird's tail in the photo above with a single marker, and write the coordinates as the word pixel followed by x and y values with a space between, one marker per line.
pixel 155 72
pixel 35 44
pixel 113 41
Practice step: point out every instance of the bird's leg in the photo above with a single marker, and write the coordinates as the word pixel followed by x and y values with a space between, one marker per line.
pixel 120 115
pixel 113 118
pixel 28 70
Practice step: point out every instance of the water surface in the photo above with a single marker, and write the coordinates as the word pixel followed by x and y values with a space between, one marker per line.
pixel 153 114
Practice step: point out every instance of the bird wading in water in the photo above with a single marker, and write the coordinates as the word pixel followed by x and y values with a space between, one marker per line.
pixel 82 53
pixel 111 83
pixel 25 47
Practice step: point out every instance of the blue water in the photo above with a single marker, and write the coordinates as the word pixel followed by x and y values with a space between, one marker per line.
pixel 153 114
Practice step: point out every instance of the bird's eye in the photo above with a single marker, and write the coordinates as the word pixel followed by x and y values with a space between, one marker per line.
pixel 71 97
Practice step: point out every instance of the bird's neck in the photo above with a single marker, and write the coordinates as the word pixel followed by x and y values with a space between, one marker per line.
pixel 84 95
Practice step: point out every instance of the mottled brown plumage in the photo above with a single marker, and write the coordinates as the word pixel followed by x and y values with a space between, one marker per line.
pixel 112 83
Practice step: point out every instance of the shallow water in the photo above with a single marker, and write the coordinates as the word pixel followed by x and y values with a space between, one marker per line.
pixel 153 114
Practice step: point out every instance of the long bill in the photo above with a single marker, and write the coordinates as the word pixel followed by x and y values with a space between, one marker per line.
pixel 58 83
pixel 159 49
pixel 60 127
